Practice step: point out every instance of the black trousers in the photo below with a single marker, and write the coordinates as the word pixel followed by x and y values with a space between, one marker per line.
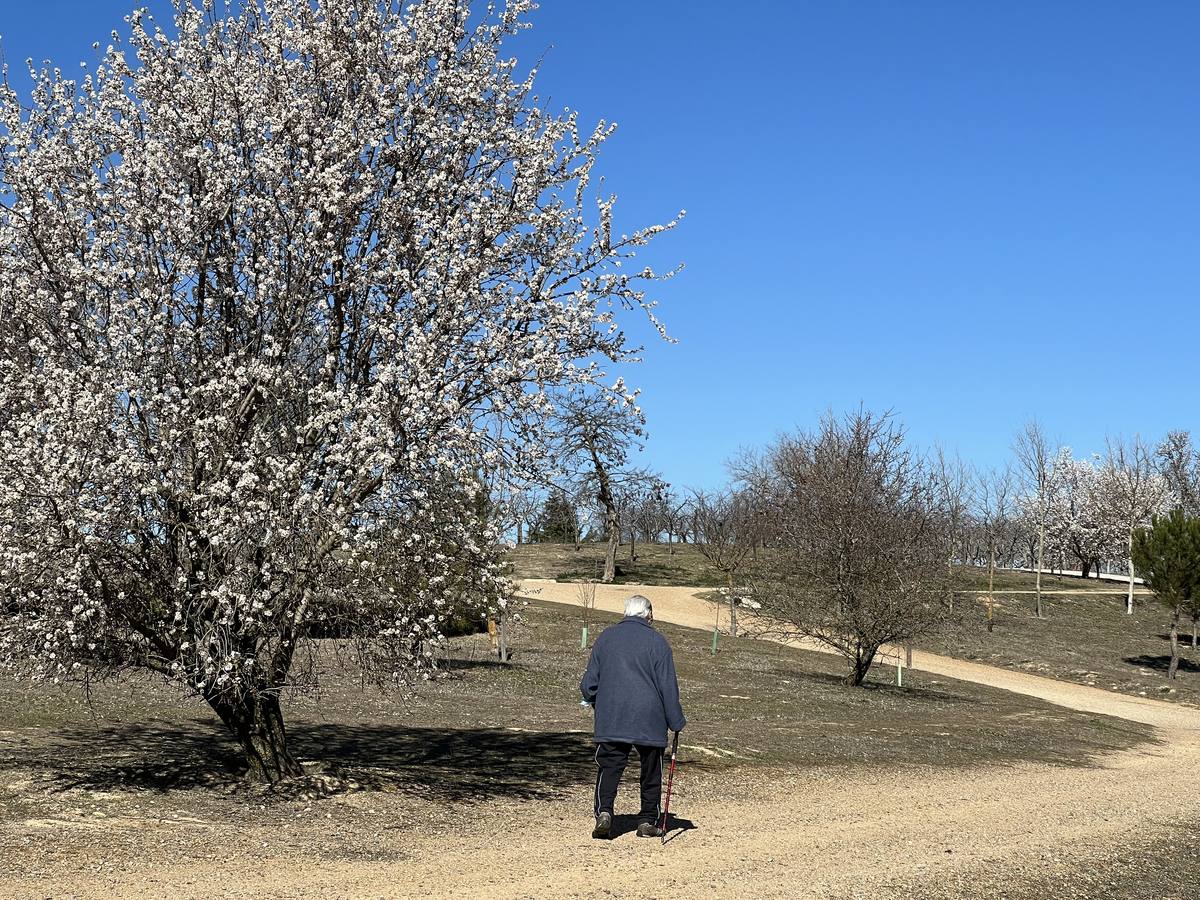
pixel 611 758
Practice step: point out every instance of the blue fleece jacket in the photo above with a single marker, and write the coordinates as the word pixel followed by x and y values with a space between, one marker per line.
pixel 631 682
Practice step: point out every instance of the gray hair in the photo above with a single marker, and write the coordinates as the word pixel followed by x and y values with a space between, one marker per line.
pixel 638 606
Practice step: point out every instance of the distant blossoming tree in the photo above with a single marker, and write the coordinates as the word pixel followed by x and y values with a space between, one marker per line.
pixel 1178 462
pixel 277 290
pixel 1134 493
pixel 1081 523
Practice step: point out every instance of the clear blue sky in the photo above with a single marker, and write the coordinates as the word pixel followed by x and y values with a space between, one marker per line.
pixel 972 213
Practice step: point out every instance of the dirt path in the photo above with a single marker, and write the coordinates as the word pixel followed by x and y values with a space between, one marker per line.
pixel 976 833
pixel 888 834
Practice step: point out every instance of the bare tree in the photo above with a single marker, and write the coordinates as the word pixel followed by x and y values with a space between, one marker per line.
pixel 1034 457
pixel 994 497
pixel 585 593
pixel 752 474
pixel 518 507
pixel 954 484
pixel 676 512
pixel 595 433
pixel 641 502
pixel 860 559
pixel 642 518
pixel 725 535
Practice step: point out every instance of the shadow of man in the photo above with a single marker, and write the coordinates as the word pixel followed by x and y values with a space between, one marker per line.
pixel 624 824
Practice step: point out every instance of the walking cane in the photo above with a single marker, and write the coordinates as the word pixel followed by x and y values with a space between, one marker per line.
pixel 670 781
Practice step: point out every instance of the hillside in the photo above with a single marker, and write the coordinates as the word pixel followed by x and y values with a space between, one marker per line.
pixel 679 564
pixel 1086 635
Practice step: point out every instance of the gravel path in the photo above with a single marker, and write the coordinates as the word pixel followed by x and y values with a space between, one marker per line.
pixel 878 835
pixel 1104 831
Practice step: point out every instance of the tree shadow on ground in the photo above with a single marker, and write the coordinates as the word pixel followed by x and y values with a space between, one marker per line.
pixel 462 663
pixel 1162 663
pixel 879 682
pixel 437 764
pixel 1185 638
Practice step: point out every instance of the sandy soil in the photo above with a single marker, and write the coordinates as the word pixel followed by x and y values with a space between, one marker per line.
pixel 1016 831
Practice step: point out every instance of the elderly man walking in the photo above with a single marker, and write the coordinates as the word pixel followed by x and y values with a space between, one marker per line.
pixel 630 682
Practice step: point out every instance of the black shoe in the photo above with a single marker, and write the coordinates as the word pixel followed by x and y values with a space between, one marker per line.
pixel 649 829
pixel 603 826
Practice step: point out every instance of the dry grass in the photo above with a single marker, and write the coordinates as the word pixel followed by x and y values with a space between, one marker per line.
pixel 655 564
pixel 753 703
pixel 1086 636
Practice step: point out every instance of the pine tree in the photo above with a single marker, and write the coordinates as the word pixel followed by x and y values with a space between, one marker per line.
pixel 1167 556
pixel 556 523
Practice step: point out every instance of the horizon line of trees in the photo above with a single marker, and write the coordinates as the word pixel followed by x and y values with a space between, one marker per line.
pixel 1074 514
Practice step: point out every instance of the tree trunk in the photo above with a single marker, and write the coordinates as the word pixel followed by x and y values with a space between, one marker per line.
pixel 519 535
pixel 1194 632
pixel 732 607
pixel 1086 567
pixel 256 721
pixel 632 545
pixel 1040 557
pixel 950 580
pixel 1129 597
pixel 612 522
pixel 503 637
pixel 991 606
pixel 610 554
pixel 860 665
pixel 1174 645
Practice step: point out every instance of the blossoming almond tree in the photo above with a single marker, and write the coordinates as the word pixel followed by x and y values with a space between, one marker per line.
pixel 1134 493
pixel 276 288
pixel 1081 522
